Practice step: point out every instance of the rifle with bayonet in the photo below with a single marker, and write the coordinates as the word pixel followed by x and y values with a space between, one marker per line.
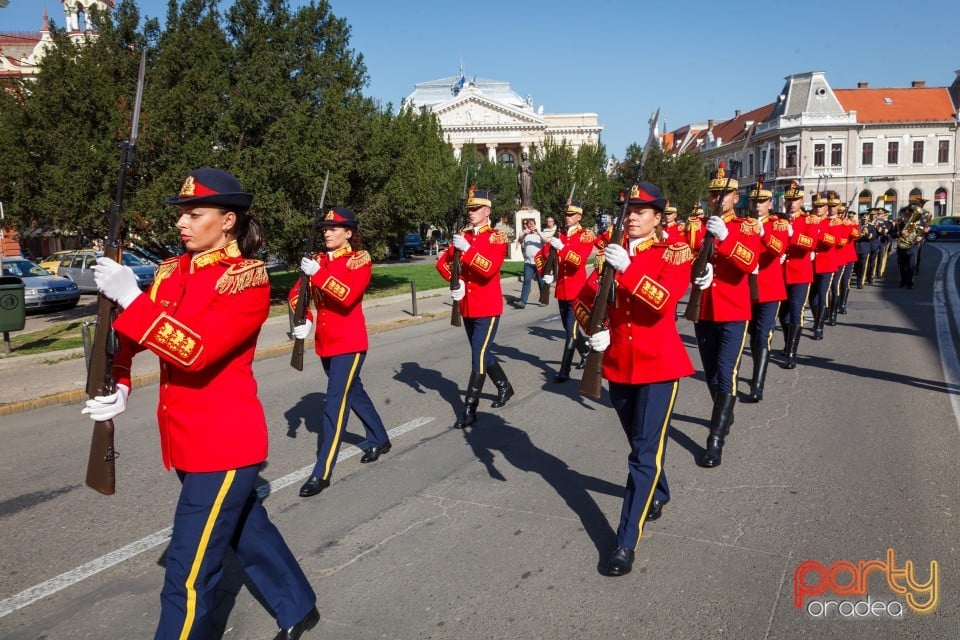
pixel 303 296
pixel 551 265
pixel 101 465
pixel 455 264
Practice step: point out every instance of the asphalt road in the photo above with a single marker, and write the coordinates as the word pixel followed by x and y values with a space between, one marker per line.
pixel 500 532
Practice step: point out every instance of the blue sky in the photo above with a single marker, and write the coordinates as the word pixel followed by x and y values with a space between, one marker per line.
pixel 623 59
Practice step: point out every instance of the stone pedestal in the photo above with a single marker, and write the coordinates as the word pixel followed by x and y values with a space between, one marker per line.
pixel 515 253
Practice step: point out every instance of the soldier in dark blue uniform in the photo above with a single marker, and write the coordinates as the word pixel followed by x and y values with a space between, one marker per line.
pixel 908 244
pixel 864 244
pixel 886 231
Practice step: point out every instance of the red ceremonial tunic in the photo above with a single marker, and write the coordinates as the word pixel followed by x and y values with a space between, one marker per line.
pixel 826 258
pixel 578 244
pixel 798 269
pixel 337 290
pixel 645 346
pixel 728 297
pixel 674 233
pixel 480 271
pixel 849 248
pixel 202 318
pixel 770 284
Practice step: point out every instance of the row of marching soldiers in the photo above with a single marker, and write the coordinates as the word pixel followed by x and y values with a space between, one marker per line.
pixel 764 269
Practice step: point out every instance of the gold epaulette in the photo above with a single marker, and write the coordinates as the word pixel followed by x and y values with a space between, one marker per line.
pixel 781 225
pixel 812 219
pixel 498 237
pixel 678 253
pixel 588 236
pixel 243 275
pixel 358 260
pixel 166 267
pixel 750 227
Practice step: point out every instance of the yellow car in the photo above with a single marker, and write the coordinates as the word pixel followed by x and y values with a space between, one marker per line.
pixel 52 261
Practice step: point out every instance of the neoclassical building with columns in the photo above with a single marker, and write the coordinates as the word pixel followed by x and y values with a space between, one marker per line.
pixel 495 118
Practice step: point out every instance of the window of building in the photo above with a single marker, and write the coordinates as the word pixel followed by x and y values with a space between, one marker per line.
pixel 763 159
pixel 506 159
pixel 943 151
pixel 819 154
pixel 940 202
pixel 890 200
pixel 866 154
pixel 836 154
pixel 893 152
pixel 750 164
pixel 864 201
pixel 915 196
pixel 918 152
pixel 791 156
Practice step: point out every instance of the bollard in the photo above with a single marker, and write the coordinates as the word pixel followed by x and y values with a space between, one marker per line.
pixel 413 297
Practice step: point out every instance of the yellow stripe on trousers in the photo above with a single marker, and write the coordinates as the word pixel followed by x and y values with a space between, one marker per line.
pixel 201 550
pixel 736 364
pixel 343 408
pixel 486 343
pixel 776 314
pixel 660 450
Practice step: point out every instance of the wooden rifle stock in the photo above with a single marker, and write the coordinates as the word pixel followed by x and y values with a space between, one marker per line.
pixel 455 317
pixel 101 463
pixel 303 295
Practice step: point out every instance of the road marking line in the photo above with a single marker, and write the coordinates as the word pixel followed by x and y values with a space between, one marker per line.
pixel 84 571
pixel 943 302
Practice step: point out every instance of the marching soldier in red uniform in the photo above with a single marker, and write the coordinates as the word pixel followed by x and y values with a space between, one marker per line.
pixel 823 264
pixel 483 251
pixel 338 279
pixel 770 289
pixel 803 233
pixel 573 248
pixel 725 306
pixel 202 317
pixel 644 358
pixel 848 255
pixel 836 211
pixel 671 227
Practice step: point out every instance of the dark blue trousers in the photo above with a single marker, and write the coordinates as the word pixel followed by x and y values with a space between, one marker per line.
pixel 567 319
pixel 841 282
pixel 820 290
pixel 762 324
pixel 791 311
pixel 644 411
pixel 480 334
pixel 721 345
pixel 217 510
pixel 345 392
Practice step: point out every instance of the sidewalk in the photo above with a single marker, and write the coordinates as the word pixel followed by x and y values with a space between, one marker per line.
pixel 59 377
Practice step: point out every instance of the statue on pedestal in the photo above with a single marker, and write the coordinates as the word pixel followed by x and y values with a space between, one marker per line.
pixel 525 181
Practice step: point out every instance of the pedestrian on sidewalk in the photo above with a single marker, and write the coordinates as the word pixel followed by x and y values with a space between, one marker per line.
pixel 202 317
pixel 531 241
pixel 338 279
pixel 482 252
pixel 644 357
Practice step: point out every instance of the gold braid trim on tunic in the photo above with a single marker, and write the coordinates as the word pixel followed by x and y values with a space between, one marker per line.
pixel 243 275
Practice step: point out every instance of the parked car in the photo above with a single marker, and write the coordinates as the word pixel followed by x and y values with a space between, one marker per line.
pixel 412 244
pixel 41 290
pixel 52 261
pixel 944 228
pixel 77 265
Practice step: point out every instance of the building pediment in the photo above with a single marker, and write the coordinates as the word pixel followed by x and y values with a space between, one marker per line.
pixel 471 109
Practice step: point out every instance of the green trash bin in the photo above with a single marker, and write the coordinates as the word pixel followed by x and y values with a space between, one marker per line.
pixel 13 312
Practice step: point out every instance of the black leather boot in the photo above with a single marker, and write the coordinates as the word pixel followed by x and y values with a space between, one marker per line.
pixel 818 317
pixel 470 401
pixel 568 350
pixel 504 388
pixel 832 312
pixel 761 357
pixel 583 349
pixel 843 300
pixel 720 422
pixel 793 339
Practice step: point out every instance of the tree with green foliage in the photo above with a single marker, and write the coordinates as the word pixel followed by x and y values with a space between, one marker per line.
pixel 682 179
pixel 558 168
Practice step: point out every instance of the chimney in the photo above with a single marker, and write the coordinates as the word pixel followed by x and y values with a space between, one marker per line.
pixel 709 124
pixel 862 85
pixel 736 113
pixel 918 84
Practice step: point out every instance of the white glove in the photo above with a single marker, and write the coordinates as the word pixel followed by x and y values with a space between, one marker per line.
pixel 783 258
pixel 599 341
pixel 302 331
pixel 556 243
pixel 461 290
pixel 548 279
pixel 704 281
pixel 717 227
pixel 762 232
pixel 103 408
pixel 813 254
pixel 616 256
pixel 459 242
pixel 789 230
pixel 309 266
pixel 116 281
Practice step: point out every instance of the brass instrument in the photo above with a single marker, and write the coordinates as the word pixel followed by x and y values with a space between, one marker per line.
pixel 908 237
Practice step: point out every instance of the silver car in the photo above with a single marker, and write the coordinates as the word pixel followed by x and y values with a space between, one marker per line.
pixel 42 290
pixel 78 266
